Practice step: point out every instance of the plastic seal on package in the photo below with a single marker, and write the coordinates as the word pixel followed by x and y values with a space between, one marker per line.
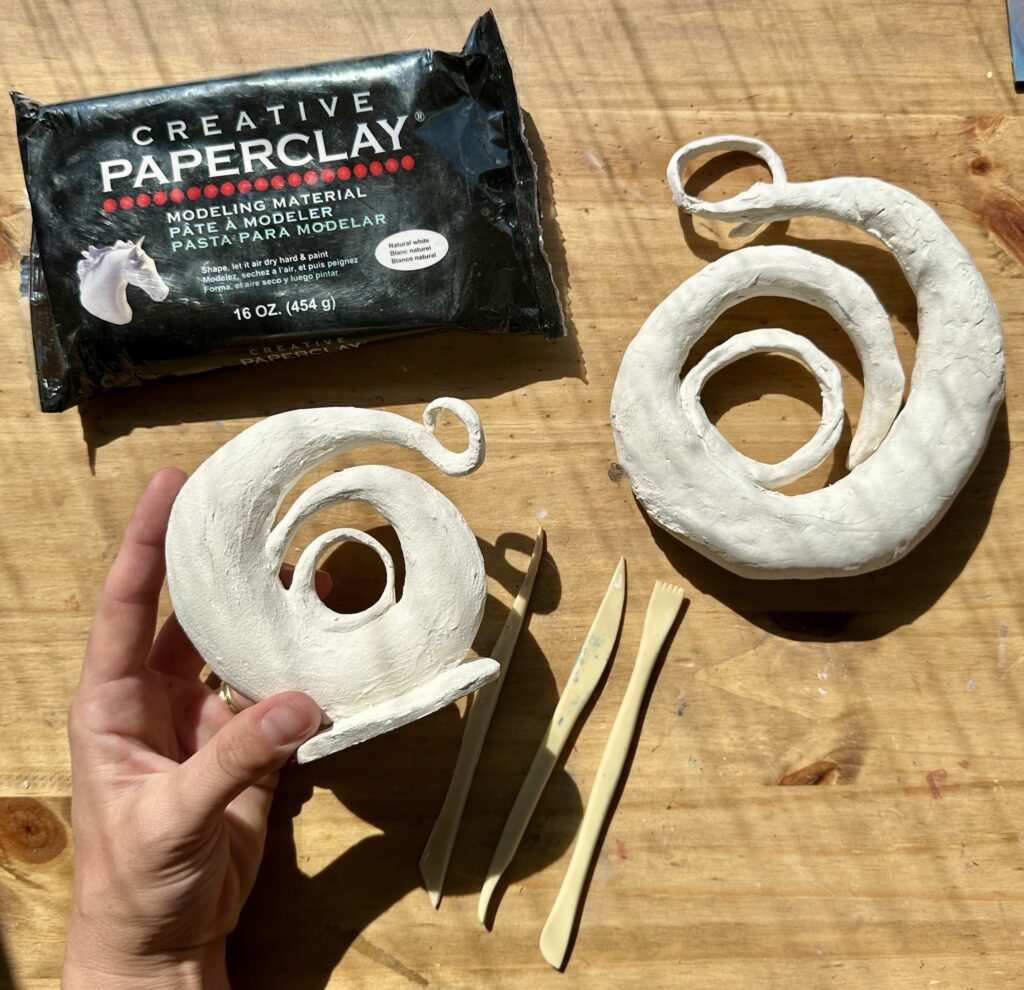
pixel 300 210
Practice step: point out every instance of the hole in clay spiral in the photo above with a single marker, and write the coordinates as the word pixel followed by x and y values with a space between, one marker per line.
pixel 358 574
pixel 357 570
pixel 770 341
pixel 449 430
pixel 766 406
pixel 716 177
pixel 716 146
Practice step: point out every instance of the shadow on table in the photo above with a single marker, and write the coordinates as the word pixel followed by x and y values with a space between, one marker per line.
pixel 297 926
pixel 869 605
pixel 6 975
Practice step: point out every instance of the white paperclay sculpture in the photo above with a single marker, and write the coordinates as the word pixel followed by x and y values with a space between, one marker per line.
pixel 372 671
pixel 906 466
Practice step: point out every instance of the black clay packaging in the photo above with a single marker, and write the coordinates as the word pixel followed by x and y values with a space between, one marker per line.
pixel 280 215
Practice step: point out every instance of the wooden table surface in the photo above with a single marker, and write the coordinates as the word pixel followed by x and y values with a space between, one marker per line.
pixel 903 867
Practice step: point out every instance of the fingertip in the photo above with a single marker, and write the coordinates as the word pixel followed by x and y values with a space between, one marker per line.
pixel 290 719
pixel 161 490
pixel 167 479
pixel 324 583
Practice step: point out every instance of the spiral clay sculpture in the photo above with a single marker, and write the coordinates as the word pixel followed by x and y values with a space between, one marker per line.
pixel 906 466
pixel 371 671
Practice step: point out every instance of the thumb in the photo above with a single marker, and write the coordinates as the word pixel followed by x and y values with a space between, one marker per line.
pixel 255 743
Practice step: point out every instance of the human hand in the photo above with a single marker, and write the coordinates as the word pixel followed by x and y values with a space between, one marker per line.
pixel 170 791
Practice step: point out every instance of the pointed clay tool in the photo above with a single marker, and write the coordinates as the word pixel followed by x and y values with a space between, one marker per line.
pixel 666 600
pixel 583 679
pixel 434 861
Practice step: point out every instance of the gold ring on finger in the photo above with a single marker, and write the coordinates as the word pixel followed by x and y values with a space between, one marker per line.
pixel 228 698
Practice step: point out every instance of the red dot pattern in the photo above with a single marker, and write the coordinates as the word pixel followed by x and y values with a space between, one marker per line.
pixel 260 184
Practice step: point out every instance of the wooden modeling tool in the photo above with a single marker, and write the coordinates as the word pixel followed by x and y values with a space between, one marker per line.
pixel 666 600
pixel 438 852
pixel 583 679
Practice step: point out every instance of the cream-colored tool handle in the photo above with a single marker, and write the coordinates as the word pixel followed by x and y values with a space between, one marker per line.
pixel 662 610
pixel 583 679
pixel 438 851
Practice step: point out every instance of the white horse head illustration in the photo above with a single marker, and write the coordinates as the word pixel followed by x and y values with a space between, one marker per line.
pixel 104 275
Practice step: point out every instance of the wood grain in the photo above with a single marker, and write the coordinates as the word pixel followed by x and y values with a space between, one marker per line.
pixel 910 681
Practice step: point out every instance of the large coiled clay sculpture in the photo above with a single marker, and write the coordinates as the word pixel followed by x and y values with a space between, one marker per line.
pixel 371 671
pixel 906 465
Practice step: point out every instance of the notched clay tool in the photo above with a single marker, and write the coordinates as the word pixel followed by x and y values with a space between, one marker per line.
pixel 666 600
pixel 438 851
pixel 583 679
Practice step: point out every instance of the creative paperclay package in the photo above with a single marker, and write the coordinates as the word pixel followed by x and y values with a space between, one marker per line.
pixel 278 215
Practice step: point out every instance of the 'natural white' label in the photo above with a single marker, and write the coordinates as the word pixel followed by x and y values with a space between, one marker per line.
pixel 410 250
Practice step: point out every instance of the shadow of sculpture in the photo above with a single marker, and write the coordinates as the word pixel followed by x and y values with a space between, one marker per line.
pixel 865 606
pixel 297 926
